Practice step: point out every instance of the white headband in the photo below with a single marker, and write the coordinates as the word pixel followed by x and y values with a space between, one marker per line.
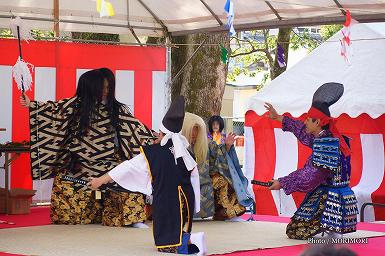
pixel 180 147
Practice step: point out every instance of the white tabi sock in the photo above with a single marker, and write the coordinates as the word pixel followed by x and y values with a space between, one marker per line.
pixel 139 225
pixel 236 219
pixel 199 240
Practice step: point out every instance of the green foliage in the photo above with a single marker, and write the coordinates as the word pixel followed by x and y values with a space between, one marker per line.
pixel 5 33
pixel 303 40
pixel 95 36
pixel 37 34
pixel 42 35
pixel 329 30
pixel 250 52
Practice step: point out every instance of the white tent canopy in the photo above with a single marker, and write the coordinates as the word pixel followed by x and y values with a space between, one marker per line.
pixel 155 17
pixel 363 79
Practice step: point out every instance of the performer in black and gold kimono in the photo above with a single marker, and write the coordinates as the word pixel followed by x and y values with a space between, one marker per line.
pixel 168 171
pixel 330 204
pixel 86 136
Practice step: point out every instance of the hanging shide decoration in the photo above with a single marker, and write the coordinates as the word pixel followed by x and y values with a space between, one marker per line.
pixel 346 43
pixel 22 70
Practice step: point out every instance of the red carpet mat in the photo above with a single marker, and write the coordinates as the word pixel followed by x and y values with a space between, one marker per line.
pixel 39 216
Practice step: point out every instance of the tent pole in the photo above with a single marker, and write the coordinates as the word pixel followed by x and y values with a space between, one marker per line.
pixel 362 18
pixel 129 25
pixel 56 18
pixel 165 30
pixel 168 73
pixel 274 10
pixel 212 12
pixel 340 6
pixel 82 22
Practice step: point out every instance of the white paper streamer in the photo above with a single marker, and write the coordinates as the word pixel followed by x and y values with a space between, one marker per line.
pixel 21 72
pixel 25 31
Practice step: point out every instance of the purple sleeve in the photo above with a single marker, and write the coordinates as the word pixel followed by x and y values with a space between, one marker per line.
pixel 298 129
pixel 304 180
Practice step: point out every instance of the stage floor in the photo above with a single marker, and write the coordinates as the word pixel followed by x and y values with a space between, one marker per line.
pixel 222 237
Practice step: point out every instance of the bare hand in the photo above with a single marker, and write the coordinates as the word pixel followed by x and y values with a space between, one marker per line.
pixel 95 183
pixel 25 101
pixel 230 139
pixel 276 185
pixel 272 112
pixel 158 137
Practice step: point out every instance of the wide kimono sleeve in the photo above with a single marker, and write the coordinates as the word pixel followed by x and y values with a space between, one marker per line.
pixel 197 189
pixel 298 128
pixel 133 175
pixel 50 124
pixel 304 180
pixel 132 133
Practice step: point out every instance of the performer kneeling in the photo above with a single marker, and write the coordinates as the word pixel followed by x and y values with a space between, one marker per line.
pixel 168 171
pixel 330 204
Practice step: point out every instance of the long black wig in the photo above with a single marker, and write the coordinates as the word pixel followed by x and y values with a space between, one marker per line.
pixel 113 105
pixel 89 92
pixel 90 95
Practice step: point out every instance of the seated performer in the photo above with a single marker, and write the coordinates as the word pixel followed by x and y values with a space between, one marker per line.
pixel 216 126
pixel 168 171
pixel 194 129
pixel 83 136
pixel 231 195
pixel 330 205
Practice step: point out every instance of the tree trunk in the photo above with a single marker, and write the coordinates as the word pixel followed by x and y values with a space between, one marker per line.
pixel 202 82
pixel 284 41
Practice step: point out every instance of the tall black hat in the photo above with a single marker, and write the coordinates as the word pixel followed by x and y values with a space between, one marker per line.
pixel 326 95
pixel 173 120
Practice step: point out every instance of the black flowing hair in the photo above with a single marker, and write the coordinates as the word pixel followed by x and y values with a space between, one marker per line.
pixel 89 92
pixel 112 104
pixel 218 119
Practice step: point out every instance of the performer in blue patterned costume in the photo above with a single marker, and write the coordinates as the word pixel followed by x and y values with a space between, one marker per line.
pixel 330 204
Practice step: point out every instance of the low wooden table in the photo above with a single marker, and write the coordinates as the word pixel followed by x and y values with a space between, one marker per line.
pixel 10 154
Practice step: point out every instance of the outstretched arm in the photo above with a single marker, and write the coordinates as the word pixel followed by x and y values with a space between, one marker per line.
pixel 132 175
pixel 303 180
pixel 288 124
pixel 298 128
pixel 95 183
pixel 56 109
